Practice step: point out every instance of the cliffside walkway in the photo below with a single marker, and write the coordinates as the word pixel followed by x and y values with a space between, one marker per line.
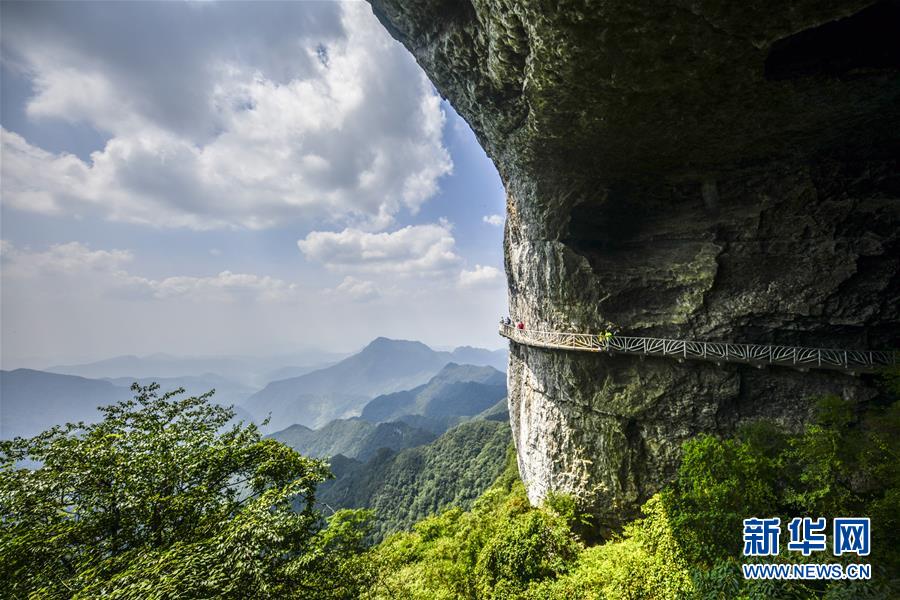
pixel 759 355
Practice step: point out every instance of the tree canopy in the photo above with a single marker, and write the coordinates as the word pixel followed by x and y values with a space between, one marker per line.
pixel 164 498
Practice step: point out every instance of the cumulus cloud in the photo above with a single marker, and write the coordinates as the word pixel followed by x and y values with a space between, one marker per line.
pixel 357 289
pixel 481 275
pixel 74 267
pixel 225 286
pixel 496 220
pixel 213 129
pixel 412 250
pixel 72 258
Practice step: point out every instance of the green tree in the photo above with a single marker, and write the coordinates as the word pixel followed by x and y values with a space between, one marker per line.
pixel 163 498
pixel 688 542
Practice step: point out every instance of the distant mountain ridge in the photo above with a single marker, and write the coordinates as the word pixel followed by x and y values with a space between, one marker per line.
pixel 228 392
pixel 32 401
pixel 343 389
pixel 456 390
pixel 353 438
pixel 457 393
pixel 247 370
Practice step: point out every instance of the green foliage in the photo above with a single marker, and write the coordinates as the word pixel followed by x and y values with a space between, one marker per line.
pixel 688 542
pixel 846 463
pixel 405 487
pixel 646 562
pixel 504 548
pixel 160 499
pixel 491 551
pixel 353 438
pixel 720 483
pixel 566 507
pixel 533 547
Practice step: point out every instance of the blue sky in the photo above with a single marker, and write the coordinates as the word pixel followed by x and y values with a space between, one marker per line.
pixel 234 178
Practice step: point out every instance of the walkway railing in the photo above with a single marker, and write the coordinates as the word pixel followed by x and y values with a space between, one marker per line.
pixel 754 354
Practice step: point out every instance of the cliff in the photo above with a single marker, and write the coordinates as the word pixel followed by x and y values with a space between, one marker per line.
pixel 693 169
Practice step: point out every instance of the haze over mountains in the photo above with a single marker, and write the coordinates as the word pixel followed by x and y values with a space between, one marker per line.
pixel 342 390
pixel 33 400
pixel 408 418
pixel 457 390
pixel 408 430
pixel 227 391
pixel 248 370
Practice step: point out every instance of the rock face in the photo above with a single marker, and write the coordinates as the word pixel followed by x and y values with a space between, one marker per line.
pixel 710 170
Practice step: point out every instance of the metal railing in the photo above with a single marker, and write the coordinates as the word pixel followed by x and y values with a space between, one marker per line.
pixel 756 354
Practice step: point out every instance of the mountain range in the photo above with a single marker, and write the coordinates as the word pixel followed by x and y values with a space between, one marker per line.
pixel 228 392
pixel 342 390
pixel 456 390
pixel 408 418
pixel 412 453
pixel 32 401
pixel 353 438
pixel 247 370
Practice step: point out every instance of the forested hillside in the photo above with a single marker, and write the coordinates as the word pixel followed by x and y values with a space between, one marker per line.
pixel 213 511
pixel 352 438
pixel 457 390
pixel 406 486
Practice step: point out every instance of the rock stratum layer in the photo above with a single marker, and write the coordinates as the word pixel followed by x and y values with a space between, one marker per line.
pixel 690 169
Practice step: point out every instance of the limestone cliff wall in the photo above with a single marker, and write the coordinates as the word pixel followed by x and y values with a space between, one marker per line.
pixel 699 169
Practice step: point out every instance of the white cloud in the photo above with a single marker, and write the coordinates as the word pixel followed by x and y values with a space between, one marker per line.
pixel 353 139
pixel 496 220
pixel 225 286
pixel 75 268
pixel 60 259
pixel 412 250
pixel 357 289
pixel 481 275
pixel 76 301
